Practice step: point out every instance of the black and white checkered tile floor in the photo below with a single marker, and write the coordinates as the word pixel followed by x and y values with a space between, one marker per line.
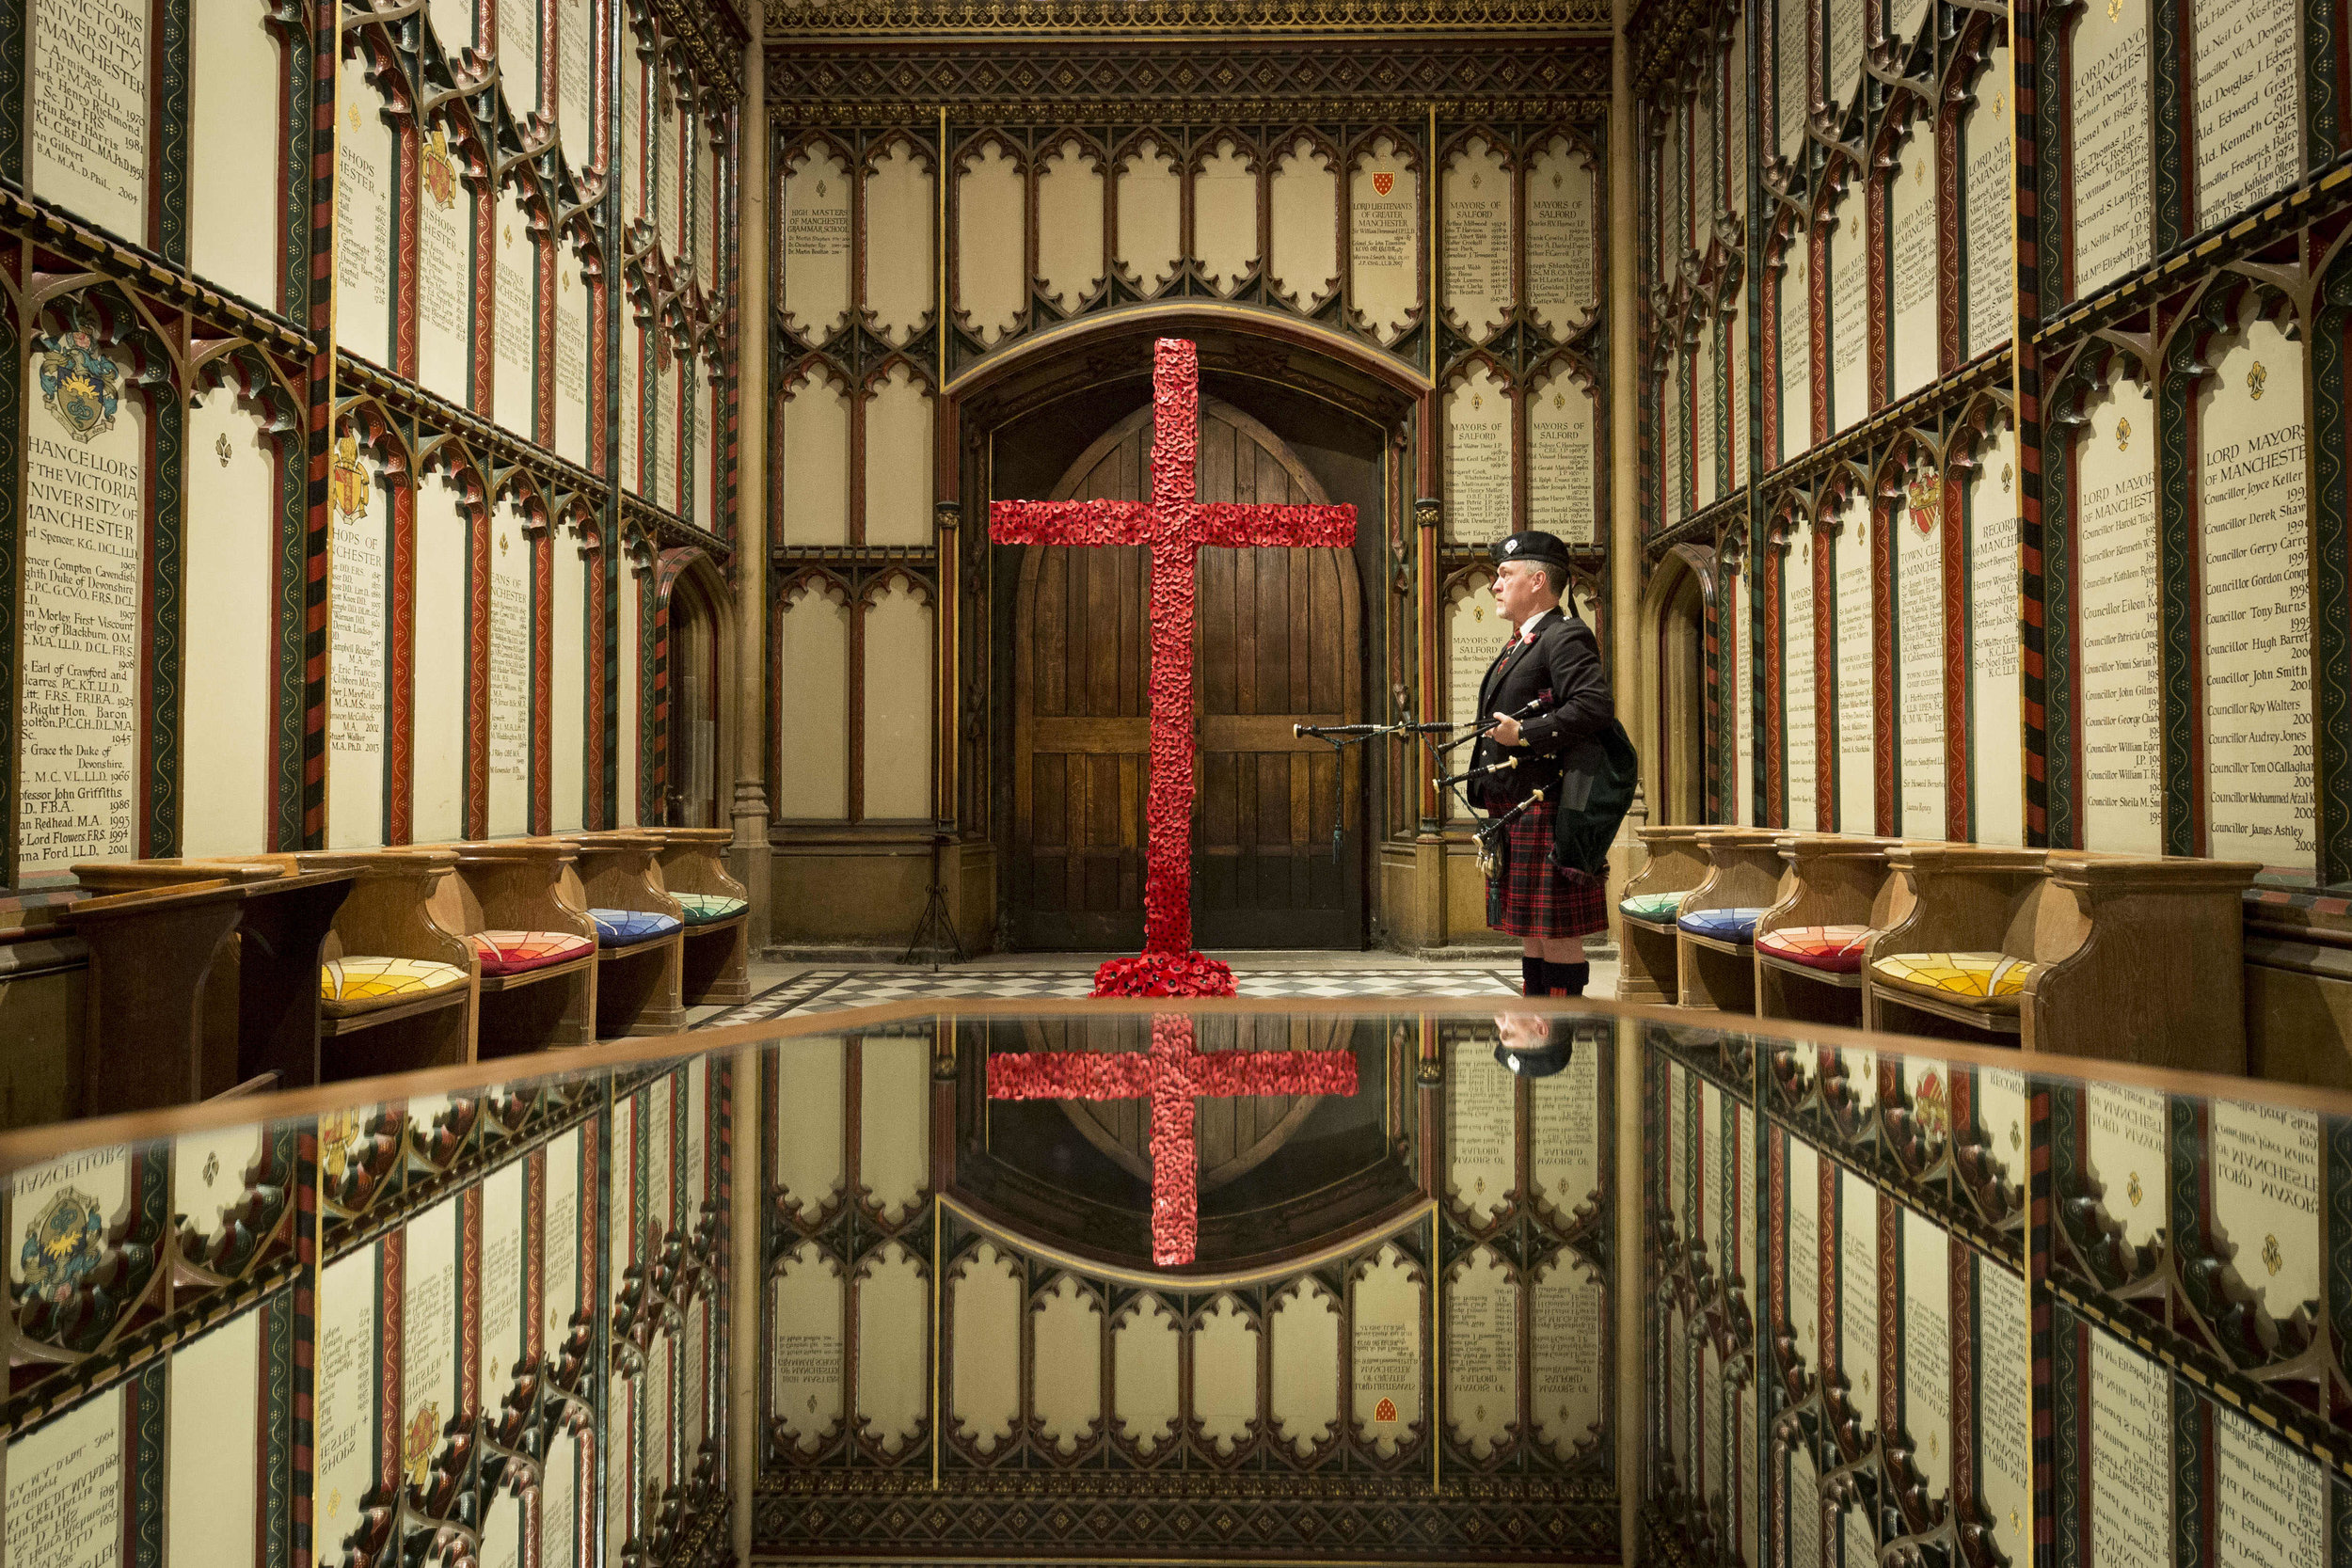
pixel 825 990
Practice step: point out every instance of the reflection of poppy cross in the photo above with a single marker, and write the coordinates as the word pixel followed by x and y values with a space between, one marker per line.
pixel 1172 1074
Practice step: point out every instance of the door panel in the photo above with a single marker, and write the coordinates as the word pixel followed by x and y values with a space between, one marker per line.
pixel 1276 643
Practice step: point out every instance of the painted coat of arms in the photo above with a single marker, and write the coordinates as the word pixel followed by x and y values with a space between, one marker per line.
pixel 1384 181
pixel 416 1448
pixel 347 479
pixel 64 1242
pixel 1931 1109
pixel 440 176
pixel 80 385
pixel 1926 498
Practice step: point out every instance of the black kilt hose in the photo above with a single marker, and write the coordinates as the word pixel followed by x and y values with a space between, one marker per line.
pixel 1537 898
pixel 1552 683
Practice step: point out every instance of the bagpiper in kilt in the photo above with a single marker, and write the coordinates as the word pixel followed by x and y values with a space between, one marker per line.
pixel 1551 666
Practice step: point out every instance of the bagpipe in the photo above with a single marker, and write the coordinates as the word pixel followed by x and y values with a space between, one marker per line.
pixel 1440 738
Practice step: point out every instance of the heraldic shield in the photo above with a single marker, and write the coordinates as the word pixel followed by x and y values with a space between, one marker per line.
pixel 79 385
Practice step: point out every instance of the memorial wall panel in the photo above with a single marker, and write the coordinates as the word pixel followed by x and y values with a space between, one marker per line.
pixel 1384 239
pixel 1069 200
pixel 1477 239
pixel 2245 123
pixel 1850 306
pixel 1918 523
pixel 1743 668
pixel 2116 640
pixel 1857 714
pixel 991 259
pixel 1562 457
pixel 2110 153
pixel 1793 75
pixel 1799 703
pixel 1912 282
pixel 363 214
pixel 1987 181
pixel 358 739
pixel 1225 215
pixel 1150 216
pixel 816 244
pixel 1793 352
pixel 2253 568
pixel 1562 197
pixel 443 597
pixel 235 501
pixel 446 205
pixel 1995 739
pixel 514 656
pixel 1303 224
pixel 569 659
pixel 88 108
pixel 899 242
pixel 236 149
pixel 1477 458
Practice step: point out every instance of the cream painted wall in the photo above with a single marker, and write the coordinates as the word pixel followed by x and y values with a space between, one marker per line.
pixel 225 699
pixel 438 808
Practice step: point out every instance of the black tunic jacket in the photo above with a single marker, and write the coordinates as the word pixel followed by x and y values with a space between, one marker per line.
pixel 1561 671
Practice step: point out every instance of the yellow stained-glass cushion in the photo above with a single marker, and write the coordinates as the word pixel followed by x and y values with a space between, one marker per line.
pixel 1993 980
pixel 349 986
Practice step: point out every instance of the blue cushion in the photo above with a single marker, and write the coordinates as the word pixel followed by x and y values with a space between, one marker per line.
pixel 620 928
pixel 1722 925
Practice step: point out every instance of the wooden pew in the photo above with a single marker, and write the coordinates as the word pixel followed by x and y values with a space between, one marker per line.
pixel 537 948
pixel 640 978
pixel 1838 894
pixel 1647 958
pixel 2119 957
pixel 1716 923
pixel 196 987
pixel 389 1003
pixel 718 956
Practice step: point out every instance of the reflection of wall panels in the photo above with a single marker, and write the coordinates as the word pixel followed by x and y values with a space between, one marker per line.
pixel 1066 1334
pixel 1225 1374
pixel 1306 1359
pixel 1482 1372
pixel 984 1317
pixel 893 1387
pixel 1384 1357
pixel 1144 1370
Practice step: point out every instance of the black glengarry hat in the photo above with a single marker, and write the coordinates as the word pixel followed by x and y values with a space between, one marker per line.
pixel 1534 545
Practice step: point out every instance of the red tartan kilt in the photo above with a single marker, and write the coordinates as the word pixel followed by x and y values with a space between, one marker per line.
pixel 1538 899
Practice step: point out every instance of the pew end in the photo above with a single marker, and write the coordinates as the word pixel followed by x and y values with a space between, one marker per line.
pixel 640 932
pixel 1836 891
pixel 535 944
pixel 717 907
pixel 1647 955
pixel 1716 967
pixel 389 1002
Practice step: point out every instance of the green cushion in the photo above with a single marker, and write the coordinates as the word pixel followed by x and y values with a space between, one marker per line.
pixel 1658 906
pixel 703 908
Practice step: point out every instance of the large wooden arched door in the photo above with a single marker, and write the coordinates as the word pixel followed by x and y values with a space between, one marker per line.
pixel 1278 642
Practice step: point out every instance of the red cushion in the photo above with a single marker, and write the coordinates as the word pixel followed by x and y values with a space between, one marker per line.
pixel 513 952
pixel 1835 948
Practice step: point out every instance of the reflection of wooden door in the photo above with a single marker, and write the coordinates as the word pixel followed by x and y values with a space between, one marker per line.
pixel 1276 643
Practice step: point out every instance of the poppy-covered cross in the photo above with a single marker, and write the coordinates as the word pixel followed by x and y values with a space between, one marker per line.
pixel 1175 524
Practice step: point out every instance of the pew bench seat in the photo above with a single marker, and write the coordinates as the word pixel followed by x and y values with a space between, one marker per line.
pixel 1732 928
pixel 626 927
pixel 1715 929
pixel 703 908
pixel 1832 951
pixel 351 986
pixel 508 953
pixel 1991 982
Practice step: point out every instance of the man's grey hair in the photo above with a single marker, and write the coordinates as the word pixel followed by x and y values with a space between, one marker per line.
pixel 1555 577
